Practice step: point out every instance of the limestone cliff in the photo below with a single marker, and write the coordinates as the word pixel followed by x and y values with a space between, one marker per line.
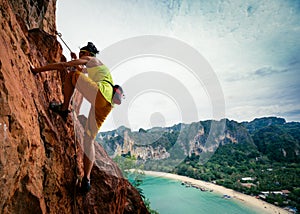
pixel 37 154
pixel 168 143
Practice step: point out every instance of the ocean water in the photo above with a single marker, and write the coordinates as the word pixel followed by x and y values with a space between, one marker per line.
pixel 168 196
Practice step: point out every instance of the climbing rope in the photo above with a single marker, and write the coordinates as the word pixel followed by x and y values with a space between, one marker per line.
pixel 75 139
pixel 75 157
pixel 60 36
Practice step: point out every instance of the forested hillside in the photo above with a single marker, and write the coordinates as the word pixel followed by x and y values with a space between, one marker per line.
pixel 259 158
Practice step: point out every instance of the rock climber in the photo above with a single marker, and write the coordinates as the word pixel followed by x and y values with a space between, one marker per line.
pixel 96 88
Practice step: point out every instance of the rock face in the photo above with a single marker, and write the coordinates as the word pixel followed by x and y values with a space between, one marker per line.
pixel 167 143
pixel 37 155
pixel 270 136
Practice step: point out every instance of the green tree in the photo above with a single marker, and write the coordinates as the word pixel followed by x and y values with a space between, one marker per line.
pixel 134 173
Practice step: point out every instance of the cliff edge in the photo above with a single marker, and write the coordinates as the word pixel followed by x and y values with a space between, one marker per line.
pixel 38 156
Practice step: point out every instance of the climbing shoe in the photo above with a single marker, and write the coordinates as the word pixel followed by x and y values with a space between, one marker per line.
pixel 85 185
pixel 56 107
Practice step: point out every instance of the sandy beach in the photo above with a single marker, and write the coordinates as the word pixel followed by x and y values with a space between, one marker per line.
pixel 257 204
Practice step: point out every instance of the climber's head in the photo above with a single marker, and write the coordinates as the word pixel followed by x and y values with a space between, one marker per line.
pixel 89 50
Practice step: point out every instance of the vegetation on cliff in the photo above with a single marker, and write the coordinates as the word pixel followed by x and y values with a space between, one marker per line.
pixel 259 158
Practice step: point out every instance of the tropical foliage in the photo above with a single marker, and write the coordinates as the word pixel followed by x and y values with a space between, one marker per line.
pixel 267 150
pixel 135 175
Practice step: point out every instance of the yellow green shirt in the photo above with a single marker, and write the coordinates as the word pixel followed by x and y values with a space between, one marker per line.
pixel 99 72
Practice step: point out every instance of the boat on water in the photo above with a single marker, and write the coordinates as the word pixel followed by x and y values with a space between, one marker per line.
pixel 188 184
pixel 227 196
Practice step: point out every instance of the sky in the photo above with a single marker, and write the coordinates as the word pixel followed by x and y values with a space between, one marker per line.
pixel 191 60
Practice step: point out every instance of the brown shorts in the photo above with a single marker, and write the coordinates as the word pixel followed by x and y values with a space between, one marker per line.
pixel 100 107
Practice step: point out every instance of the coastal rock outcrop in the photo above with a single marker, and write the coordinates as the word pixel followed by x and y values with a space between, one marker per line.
pixel 169 142
pixel 38 158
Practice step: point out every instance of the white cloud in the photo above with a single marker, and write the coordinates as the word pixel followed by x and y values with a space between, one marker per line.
pixel 252 46
pixel 247 113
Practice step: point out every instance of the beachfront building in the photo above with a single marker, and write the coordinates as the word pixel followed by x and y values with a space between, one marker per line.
pixel 248 179
pixel 248 185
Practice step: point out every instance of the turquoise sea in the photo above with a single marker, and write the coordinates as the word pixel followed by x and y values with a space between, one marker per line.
pixel 168 196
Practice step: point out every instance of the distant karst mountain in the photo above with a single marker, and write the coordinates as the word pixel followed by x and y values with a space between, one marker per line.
pixel 264 151
pixel 270 136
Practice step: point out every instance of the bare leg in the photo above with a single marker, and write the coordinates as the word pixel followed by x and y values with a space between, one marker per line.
pixel 100 108
pixel 68 91
pixel 89 155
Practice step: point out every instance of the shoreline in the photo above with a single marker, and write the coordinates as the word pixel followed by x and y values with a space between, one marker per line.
pixel 248 200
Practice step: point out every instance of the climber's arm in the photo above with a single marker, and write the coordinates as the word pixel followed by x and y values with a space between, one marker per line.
pixel 53 66
pixel 59 65
pixel 75 62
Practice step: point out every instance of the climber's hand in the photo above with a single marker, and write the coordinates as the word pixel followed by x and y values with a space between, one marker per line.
pixel 73 55
pixel 79 68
